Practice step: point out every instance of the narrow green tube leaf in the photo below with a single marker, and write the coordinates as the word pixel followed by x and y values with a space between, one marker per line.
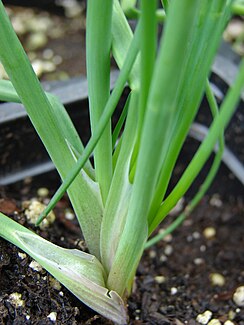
pixel 161 108
pixel 120 122
pixel 207 182
pixel 148 45
pixel 219 124
pixel 210 21
pixel 116 208
pixel 98 40
pixel 122 38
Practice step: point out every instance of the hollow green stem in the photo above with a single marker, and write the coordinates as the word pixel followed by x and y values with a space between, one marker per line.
pixel 227 109
pixel 98 40
pixel 206 184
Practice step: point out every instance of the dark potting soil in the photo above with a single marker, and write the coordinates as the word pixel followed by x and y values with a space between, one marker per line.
pixel 173 282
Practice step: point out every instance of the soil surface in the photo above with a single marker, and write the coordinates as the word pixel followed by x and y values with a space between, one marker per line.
pixel 52 36
pixel 174 281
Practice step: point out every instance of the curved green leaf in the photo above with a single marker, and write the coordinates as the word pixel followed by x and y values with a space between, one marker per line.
pixel 79 272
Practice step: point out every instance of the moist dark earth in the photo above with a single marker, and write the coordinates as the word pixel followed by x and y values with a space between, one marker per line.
pixel 173 282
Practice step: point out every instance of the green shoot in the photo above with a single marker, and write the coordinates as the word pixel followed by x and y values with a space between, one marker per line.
pixel 207 182
pixel 98 76
pixel 121 200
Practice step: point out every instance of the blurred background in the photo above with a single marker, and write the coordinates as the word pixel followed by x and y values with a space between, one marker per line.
pixel 53 34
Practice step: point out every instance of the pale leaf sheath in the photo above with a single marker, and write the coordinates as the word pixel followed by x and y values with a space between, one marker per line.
pixel 79 272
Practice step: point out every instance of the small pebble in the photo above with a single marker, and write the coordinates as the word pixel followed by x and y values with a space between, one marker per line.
pixel 202 248
pixel 40 24
pixel 238 296
pixel 76 311
pixel 214 321
pixel 42 192
pixel 57 59
pixel 198 261
pixel 35 266
pixel 36 41
pixel 239 48
pixel 61 293
pixel 38 67
pixel 173 291
pixel 163 258
pixel 217 279
pixel 41 67
pixel 229 322
pixel 52 316
pixel 205 317
pixel 231 314
pixel 47 54
pixel 216 201
pixel 233 30
pixel 196 235
pixel 152 254
pixel 34 209
pixel 18 25
pixel 72 8
pixel 209 232
pixel 160 279
pixel 55 284
pixel 22 256
pixel 16 300
pixel 49 66
pixel 168 250
pixel 69 215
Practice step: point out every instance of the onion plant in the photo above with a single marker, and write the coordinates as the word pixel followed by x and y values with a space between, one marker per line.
pixel 121 199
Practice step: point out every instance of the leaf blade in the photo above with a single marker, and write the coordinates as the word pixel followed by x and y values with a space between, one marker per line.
pixel 79 272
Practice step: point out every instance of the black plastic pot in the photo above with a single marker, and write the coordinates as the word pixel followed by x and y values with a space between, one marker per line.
pixel 49 5
pixel 22 154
